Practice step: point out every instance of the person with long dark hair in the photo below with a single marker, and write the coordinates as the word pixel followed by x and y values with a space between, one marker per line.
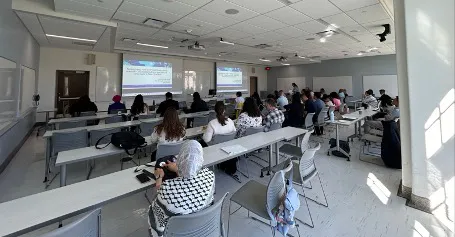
pixel 257 99
pixel 295 112
pixel 171 129
pixel 139 107
pixel 220 125
pixel 250 117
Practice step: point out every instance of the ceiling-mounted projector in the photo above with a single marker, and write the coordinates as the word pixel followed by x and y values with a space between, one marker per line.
pixel 282 59
pixel 196 47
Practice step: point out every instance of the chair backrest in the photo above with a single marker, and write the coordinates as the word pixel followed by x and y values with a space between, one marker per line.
pixel 95 135
pixel 168 149
pixel 229 110
pixel 205 223
pixel 220 138
pixel 253 130
pixel 114 119
pixel 147 128
pixel 309 121
pixel 63 141
pixel 322 115
pixel 274 126
pixel 87 113
pixel 87 226
pixel 115 111
pixel 212 116
pixel 147 116
pixel 200 121
pixel 75 124
pixel 304 145
pixel 276 189
pixel 182 104
pixel 306 165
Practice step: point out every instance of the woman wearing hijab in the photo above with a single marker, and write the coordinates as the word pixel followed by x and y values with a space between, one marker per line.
pixel 117 105
pixel 198 182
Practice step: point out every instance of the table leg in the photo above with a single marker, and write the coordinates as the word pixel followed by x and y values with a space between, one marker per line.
pixel 297 139
pixel 48 157
pixel 62 175
pixel 277 154
pixel 270 159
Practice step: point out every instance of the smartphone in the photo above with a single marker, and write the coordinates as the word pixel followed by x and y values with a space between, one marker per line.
pixel 149 174
pixel 142 178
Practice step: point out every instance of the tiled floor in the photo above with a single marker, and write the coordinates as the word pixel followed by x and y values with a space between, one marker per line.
pixel 362 198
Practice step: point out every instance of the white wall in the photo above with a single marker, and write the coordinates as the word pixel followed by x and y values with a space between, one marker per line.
pixel 53 59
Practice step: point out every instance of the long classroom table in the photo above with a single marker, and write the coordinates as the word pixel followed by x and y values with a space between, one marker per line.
pixel 35 211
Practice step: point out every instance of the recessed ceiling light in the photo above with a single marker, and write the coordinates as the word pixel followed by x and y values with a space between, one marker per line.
pixel 72 38
pixel 322 40
pixel 152 45
pixel 310 39
pixel 231 11
pixel 189 31
pixel 360 54
pixel 372 49
pixel 264 60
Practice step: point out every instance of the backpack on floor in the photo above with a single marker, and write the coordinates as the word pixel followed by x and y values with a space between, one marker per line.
pixel 229 166
pixel 127 140
pixel 344 145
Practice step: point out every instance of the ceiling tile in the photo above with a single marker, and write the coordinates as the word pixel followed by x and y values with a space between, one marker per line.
pixel 252 40
pixel 58 26
pixel 291 31
pixel 245 27
pixel 340 20
pixel 87 9
pixel 213 18
pixel 111 4
pixel 104 42
pixel 229 34
pixel 150 12
pixel 195 3
pixel 42 40
pixel 31 22
pixel 185 28
pixel 354 30
pixel 316 8
pixel 288 15
pixel 266 22
pixel 220 6
pixel 64 43
pixel 261 6
pixel 368 14
pixel 367 38
pixel 175 7
pixel 312 27
pixel 347 5
pixel 133 29
pixel 197 24
pixel 341 39
pixel 124 16
pixel 166 35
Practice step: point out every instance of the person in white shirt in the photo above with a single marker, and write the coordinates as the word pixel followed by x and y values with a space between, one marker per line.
pixel 220 125
pixel 239 100
pixel 170 130
pixel 282 100
pixel 369 99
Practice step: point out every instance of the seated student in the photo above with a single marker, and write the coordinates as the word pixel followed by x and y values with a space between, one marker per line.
pixel 250 117
pixel 295 112
pixel 117 105
pixel 282 100
pixel 327 100
pixel 384 97
pixel 191 176
pixel 319 105
pixel 169 102
pixel 83 104
pixel 392 112
pixel 220 125
pixel 274 116
pixel 239 100
pixel 139 107
pixel 257 99
pixel 198 105
pixel 276 94
pixel 335 100
pixel 322 91
pixel 369 99
pixel 310 106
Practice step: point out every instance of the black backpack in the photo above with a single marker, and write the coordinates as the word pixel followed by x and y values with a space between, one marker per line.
pixel 344 145
pixel 127 140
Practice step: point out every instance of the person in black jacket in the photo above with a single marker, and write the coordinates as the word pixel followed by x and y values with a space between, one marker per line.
pixel 198 105
pixel 295 112
pixel 169 102
pixel 83 104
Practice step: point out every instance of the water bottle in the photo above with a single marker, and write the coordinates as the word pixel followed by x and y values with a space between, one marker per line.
pixel 332 116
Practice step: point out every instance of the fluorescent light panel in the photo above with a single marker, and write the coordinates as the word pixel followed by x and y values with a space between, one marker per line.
pixel 152 45
pixel 226 42
pixel 67 37
pixel 264 60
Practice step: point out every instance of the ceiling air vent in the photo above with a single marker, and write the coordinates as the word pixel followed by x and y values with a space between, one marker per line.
pixel 155 23
pixel 262 46
pixel 83 44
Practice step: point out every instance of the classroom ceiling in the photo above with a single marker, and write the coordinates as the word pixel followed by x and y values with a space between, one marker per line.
pixel 259 29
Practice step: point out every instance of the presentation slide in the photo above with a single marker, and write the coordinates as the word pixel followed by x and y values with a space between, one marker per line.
pixel 229 77
pixel 141 74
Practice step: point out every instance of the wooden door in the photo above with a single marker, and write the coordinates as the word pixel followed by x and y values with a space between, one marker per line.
pixel 253 85
pixel 70 86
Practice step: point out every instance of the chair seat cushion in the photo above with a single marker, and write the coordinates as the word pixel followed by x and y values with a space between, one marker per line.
pixel 252 196
pixel 291 150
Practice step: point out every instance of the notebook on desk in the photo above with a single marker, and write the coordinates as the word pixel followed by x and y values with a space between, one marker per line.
pixel 234 149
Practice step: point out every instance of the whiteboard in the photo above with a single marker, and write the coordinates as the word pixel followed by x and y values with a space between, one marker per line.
pixel 107 85
pixel 376 82
pixel 333 84
pixel 27 88
pixel 285 84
